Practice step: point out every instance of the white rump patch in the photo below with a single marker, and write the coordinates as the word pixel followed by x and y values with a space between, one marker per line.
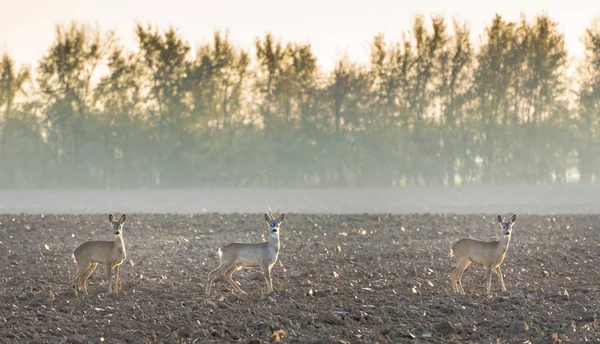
pixel 220 253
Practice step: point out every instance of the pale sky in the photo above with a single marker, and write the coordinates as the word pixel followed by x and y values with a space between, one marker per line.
pixel 333 27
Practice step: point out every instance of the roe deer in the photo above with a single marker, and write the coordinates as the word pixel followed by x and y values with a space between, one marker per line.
pixel 237 256
pixel 91 253
pixel 489 254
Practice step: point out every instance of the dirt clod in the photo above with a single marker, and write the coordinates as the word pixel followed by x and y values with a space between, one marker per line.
pixel 329 318
pixel 444 328
pixel 518 298
pixel 518 327
pixel 76 340
pixel 589 316
pixel 185 332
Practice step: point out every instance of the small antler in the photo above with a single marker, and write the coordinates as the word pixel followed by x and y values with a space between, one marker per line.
pixel 270 214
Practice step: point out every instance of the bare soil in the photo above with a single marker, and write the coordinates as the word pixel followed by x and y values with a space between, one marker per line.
pixel 339 278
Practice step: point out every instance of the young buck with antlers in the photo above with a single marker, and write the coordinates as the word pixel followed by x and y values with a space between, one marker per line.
pixel 237 256
pixel 489 254
pixel 111 253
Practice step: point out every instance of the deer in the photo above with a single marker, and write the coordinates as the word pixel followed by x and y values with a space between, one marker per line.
pixel 237 256
pixel 91 253
pixel 489 254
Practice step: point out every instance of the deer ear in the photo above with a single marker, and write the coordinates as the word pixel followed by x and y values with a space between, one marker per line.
pixel 111 218
pixel 267 218
pixel 500 218
pixel 514 218
pixel 123 218
pixel 281 217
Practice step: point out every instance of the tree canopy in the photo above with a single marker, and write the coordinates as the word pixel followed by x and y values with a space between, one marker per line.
pixel 431 109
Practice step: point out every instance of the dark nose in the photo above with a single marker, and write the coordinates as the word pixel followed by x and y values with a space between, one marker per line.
pixel 117 233
pixel 274 230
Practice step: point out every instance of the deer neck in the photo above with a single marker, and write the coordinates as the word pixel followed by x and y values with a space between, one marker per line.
pixel 274 242
pixel 503 243
pixel 120 244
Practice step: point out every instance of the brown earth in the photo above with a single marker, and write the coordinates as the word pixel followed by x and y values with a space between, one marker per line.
pixel 339 278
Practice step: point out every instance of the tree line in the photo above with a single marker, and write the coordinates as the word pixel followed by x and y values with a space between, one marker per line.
pixel 431 109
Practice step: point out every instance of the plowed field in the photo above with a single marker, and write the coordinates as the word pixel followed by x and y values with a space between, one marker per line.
pixel 339 278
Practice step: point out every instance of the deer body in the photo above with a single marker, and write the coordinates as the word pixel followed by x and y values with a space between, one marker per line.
pixel 489 254
pixel 109 253
pixel 95 251
pixel 245 255
pixel 237 256
pixel 484 253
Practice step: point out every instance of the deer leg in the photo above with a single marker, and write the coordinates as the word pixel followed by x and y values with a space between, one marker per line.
pixel 81 271
pixel 78 275
pixel 109 277
pixel 454 280
pixel 228 277
pixel 488 277
pixel 83 280
pixel 212 276
pixel 76 280
pixel 499 273
pixel 463 266
pixel 117 287
pixel 266 268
